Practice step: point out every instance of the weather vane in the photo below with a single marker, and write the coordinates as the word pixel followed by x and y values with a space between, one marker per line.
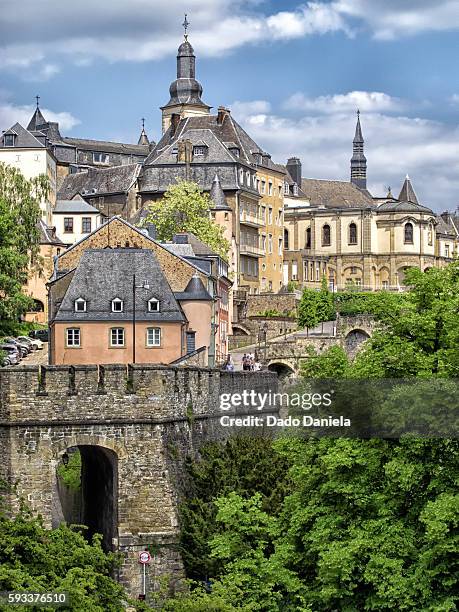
pixel 185 25
pixel 37 98
pixel 358 113
pixel 143 123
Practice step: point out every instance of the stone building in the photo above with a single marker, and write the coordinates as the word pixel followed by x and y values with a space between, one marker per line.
pixel 179 272
pixel 214 150
pixel 337 230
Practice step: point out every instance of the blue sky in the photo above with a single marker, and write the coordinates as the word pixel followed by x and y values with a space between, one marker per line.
pixel 293 74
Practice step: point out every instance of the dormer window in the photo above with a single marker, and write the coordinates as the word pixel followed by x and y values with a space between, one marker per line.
pixel 199 151
pixel 80 305
pixel 286 189
pixel 100 158
pixel 295 189
pixel 235 151
pixel 8 140
pixel 117 305
pixel 153 305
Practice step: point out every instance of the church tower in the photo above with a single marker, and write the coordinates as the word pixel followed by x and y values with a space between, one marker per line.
pixel 358 159
pixel 185 91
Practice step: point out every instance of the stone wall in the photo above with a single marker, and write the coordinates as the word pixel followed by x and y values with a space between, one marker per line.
pixel 147 418
pixel 282 302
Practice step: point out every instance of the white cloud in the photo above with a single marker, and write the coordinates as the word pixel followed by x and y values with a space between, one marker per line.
pixel 367 101
pixel 10 114
pixel 394 145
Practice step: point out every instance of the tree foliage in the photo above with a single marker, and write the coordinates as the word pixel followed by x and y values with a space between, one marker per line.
pixel 19 237
pixel 316 306
pixel 185 208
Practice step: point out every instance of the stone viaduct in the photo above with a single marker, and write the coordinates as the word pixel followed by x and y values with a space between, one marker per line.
pixel 134 426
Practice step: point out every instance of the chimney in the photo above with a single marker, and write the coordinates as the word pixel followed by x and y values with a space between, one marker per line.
pixel 445 216
pixel 175 120
pixel 294 169
pixel 151 229
pixel 181 238
pixel 265 157
pixel 221 114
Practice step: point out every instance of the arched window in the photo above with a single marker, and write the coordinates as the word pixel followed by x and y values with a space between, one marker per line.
pixel 408 233
pixel 326 235
pixel 352 233
pixel 286 241
pixel 117 305
pixel 430 235
pixel 308 238
pixel 80 305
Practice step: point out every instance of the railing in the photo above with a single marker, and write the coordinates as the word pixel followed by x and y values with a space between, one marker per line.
pixel 251 219
pixel 251 250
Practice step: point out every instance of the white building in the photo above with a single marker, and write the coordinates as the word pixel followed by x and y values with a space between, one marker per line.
pixel 75 219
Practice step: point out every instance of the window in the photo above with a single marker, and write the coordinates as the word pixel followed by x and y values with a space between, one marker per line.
pixel 153 305
pixel 317 270
pixel 358 282
pixel 306 271
pixel 117 305
pixel 86 225
pixel 263 214
pixel 247 178
pixel 8 140
pixel 270 215
pixel 270 188
pixel 68 225
pixel 117 336
pixel 286 189
pixel 190 341
pixel 263 186
pixel 286 240
pixel 263 242
pixel 280 246
pixel 234 151
pixel 154 336
pixel 241 176
pixel 100 158
pixel 408 233
pixel 270 243
pixel 446 250
pixel 385 284
pixel 294 270
pixel 308 238
pixel 199 151
pixel 430 235
pixel 73 337
pixel 352 233
pixel 326 235
pixel 80 305
pixel 295 189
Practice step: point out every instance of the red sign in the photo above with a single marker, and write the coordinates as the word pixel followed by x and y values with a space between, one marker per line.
pixel 144 557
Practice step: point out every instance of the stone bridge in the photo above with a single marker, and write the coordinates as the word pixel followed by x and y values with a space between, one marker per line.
pixel 284 356
pixel 134 427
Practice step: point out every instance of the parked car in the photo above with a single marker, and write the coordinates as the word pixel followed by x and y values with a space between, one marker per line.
pixel 38 344
pixel 5 361
pixel 30 343
pixel 23 348
pixel 39 334
pixel 12 353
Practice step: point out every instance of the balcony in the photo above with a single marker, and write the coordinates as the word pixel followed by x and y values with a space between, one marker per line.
pixel 249 249
pixel 247 218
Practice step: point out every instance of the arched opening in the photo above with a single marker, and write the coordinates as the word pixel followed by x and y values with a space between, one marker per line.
pixel 308 238
pixel 352 233
pixel 326 235
pixel 408 233
pixel 37 306
pixel 282 370
pixel 354 339
pixel 87 486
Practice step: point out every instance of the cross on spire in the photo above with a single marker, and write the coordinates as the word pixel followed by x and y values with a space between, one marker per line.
pixel 358 113
pixel 37 98
pixel 185 25
pixel 143 123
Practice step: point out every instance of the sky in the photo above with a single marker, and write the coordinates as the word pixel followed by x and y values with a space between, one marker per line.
pixel 293 75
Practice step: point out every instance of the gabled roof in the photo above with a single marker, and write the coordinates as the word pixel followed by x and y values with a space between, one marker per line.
pixel 36 120
pixel 74 206
pixel 24 138
pixel 116 179
pixel 105 274
pixel 106 146
pixel 335 194
pixel 48 234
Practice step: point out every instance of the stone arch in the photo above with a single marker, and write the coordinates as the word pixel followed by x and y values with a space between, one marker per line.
pixel 241 330
pixel 95 503
pixel 354 339
pixel 38 306
pixel 283 368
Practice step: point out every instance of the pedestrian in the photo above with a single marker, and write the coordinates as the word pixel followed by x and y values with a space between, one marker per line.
pixel 229 364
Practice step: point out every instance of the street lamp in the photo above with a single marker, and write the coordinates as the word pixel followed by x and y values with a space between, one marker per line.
pixel 144 285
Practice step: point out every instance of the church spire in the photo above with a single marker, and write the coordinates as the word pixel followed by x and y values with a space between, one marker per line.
pixel 407 193
pixel 358 160
pixel 185 91
pixel 37 118
pixel 143 139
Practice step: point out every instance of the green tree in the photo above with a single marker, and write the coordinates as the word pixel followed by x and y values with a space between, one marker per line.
pixel 36 559
pixel 19 237
pixel 316 306
pixel 185 208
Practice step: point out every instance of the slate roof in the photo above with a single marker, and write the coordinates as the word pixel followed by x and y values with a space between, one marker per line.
pixel 407 193
pixel 74 206
pixel 107 146
pixel 48 234
pixel 217 195
pixel 445 225
pixel 194 291
pixel 24 138
pixel 36 120
pixel 105 274
pixel 335 194
pixel 199 247
pixel 405 207
pixel 116 179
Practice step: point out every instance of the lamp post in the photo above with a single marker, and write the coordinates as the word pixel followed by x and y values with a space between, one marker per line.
pixel 144 285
